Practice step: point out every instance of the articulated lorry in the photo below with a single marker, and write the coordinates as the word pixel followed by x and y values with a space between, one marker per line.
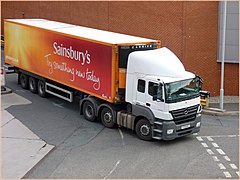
pixel 120 79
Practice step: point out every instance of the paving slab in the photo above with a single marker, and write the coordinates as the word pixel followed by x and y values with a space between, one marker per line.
pixel 21 148
pixel 20 131
pixel 12 99
pixel 7 117
pixel 21 155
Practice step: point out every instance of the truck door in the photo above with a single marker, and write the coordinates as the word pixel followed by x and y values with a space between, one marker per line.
pixel 157 106
pixel 141 91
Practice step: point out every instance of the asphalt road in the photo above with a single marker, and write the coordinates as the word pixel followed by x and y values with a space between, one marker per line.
pixel 89 150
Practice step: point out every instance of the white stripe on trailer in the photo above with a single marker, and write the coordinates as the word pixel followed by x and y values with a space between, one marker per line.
pixel 83 32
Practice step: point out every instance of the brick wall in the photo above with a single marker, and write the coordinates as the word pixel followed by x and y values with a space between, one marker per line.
pixel 190 29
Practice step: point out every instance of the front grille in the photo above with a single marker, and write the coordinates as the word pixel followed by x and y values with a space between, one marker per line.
pixel 184 115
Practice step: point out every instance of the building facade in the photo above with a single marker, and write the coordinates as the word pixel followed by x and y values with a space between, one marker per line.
pixel 189 29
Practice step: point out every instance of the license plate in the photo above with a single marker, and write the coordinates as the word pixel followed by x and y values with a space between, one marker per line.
pixel 185 126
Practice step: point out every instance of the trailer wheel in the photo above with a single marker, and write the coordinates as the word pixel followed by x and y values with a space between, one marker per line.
pixel 23 81
pixel 144 130
pixel 41 88
pixel 33 84
pixel 89 111
pixel 107 117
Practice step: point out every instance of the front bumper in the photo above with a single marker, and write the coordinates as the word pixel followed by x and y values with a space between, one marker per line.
pixel 162 128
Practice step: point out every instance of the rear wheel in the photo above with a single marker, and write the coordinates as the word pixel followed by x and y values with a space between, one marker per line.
pixel 144 130
pixel 33 85
pixel 89 111
pixel 107 117
pixel 41 88
pixel 23 81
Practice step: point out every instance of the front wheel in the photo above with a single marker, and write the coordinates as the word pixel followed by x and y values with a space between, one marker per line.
pixel 144 130
pixel 107 117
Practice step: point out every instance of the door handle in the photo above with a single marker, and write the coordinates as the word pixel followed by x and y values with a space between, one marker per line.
pixel 147 104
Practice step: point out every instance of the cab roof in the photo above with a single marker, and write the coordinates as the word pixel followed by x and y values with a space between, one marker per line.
pixel 161 63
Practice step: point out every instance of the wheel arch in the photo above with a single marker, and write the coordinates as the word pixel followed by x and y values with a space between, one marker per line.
pixel 141 112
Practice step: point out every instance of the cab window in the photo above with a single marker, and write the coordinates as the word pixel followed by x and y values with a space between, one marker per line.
pixel 150 88
pixel 141 86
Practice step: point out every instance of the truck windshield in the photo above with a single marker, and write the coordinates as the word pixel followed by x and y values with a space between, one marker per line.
pixel 182 90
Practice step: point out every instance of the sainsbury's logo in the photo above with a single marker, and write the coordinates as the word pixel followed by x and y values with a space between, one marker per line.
pixel 70 53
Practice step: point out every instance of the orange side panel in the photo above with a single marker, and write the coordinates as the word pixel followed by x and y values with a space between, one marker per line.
pixel 122 77
pixel 77 63
pixel 114 74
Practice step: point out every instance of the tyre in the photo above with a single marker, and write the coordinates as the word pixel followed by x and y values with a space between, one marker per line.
pixel 33 85
pixel 23 81
pixel 143 130
pixel 107 117
pixel 41 88
pixel 89 111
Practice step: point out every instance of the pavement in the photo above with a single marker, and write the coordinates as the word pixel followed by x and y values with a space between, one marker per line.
pixel 230 106
pixel 21 148
pixel 21 145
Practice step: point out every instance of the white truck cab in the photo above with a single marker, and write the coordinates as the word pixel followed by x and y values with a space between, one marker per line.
pixel 163 93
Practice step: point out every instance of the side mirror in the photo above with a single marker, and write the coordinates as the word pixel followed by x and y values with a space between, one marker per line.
pixel 200 80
